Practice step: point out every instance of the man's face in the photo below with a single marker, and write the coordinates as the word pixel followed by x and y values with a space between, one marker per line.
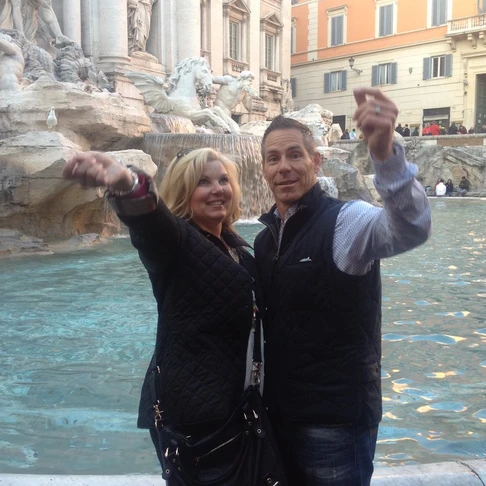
pixel 288 168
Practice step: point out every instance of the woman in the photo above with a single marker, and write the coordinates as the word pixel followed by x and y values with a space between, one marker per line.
pixel 449 187
pixel 203 280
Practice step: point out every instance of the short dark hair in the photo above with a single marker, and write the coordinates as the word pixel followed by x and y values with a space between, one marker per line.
pixel 284 123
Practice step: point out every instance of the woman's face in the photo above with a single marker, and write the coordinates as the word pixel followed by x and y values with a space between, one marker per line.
pixel 211 200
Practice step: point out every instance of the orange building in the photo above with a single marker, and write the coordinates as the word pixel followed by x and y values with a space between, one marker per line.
pixel 429 56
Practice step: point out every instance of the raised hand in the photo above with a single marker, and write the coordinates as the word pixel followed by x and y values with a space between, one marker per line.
pixel 375 116
pixel 95 169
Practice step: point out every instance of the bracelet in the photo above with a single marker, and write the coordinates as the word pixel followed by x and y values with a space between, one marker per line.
pixel 118 193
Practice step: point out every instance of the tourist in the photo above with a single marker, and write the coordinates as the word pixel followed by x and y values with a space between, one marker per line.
pixel 352 134
pixel 319 266
pixel 462 130
pixel 426 130
pixel 471 131
pixel 440 188
pixel 464 186
pixel 406 131
pixel 399 129
pixel 453 129
pixel 437 183
pixel 449 187
pixel 434 129
pixel 345 135
pixel 203 281
pixel 415 132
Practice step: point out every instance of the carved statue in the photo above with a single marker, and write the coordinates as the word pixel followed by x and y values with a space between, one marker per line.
pixel 11 64
pixel 27 16
pixel 139 17
pixel 191 77
pixel 233 91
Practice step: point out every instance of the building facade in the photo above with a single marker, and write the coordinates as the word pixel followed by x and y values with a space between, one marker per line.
pixel 234 35
pixel 429 56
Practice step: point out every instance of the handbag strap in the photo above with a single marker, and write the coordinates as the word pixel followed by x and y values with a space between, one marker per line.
pixel 256 342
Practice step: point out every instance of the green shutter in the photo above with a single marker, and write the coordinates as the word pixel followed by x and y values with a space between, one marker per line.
pixel 374 76
pixel 344 80
pixel 394 75
pixel 327 78
pixel 427 68
pixel 448 65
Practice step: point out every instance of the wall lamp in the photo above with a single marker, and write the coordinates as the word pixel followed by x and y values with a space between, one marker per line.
pixel 351 65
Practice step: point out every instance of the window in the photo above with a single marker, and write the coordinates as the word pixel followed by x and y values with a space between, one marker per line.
pixel 439 12
pixel 482 6
pixel 386 20
pixel 234 40
pixel 384 74
pixel 293 86
pixel 269 52
pixel 337 30
pixel 438 66
pixel 335 81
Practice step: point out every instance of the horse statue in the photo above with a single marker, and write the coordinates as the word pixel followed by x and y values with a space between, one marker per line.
pixel 190 81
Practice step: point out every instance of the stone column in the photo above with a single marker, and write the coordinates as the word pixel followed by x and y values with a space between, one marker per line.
pixel 113 42
pixel 71 20
pixel 204 28
pixel 88 28
pixel 188 29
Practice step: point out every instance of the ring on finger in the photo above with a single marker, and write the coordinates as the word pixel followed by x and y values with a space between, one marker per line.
pixel 377 109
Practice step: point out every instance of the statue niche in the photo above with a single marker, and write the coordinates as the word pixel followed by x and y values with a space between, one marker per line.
pixel 139 19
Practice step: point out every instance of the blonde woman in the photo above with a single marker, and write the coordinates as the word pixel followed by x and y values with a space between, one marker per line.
pixel 203 279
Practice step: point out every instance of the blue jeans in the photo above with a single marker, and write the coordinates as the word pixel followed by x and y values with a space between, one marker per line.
pixel 319 455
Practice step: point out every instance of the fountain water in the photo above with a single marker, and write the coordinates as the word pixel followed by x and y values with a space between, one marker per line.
pixel 243 149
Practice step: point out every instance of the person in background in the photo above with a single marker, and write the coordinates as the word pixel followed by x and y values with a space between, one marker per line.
pixel 345 135
pixel 440 188
pixel 434 129
pixel 449 187
pixel 427 130
pixel 464 186
pixel 453 129
pixel 399 129
pixel 462 130
pixel 415 132
pixel 352 135
pixel 406 131
pixel 320 273
pixel 471 131
pixel 203 280
pixel 437 183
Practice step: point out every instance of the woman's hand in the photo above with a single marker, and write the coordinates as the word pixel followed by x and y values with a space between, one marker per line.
pixel 95 169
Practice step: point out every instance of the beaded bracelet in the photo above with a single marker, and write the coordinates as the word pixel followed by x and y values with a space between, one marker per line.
pixel 118 193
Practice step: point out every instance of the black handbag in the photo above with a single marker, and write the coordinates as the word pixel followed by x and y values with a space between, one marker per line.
pixel 242 452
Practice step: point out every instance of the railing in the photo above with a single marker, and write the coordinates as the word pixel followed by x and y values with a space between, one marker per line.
pixel 466 24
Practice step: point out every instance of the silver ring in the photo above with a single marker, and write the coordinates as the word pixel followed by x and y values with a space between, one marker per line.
pixel 377 109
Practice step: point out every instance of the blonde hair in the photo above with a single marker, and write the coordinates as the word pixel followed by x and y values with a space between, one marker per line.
pixel 183 175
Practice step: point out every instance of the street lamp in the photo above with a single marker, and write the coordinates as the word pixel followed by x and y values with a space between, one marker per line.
pixel 351 65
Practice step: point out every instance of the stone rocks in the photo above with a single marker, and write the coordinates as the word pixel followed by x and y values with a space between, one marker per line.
pixel 14 243
pixel 35 200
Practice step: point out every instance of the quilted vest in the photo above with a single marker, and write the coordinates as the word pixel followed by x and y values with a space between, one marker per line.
pixel 205 308
pixel 322 326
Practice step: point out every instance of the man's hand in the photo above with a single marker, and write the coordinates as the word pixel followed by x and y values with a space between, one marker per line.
pixel 375 117
pixel 95 169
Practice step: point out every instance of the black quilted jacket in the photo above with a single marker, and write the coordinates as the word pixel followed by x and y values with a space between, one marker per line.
pixel 205 308
pixel 323 327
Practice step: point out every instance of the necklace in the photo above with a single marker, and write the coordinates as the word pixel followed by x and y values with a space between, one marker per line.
pixel 232 251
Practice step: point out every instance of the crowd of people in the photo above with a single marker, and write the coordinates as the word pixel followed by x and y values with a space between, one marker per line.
pixel 441 189
pixel 314 282
pixel 434 128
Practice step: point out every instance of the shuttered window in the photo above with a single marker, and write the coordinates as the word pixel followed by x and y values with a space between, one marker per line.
pixel 384 74
pixel 437 66
pixel 439 12
pixel 386 20
pixel 293 87
pixel 335 81
pixel 337 30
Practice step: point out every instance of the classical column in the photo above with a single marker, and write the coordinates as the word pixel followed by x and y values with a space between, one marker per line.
pixel 113 42
pixel 71 20
pixel 188 29
pixel 204 26
pixel 88 28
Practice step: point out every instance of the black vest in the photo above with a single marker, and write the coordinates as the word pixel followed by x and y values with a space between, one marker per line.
pixel 323 327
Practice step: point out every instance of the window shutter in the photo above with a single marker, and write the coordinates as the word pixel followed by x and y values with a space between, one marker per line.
pixel 427 68
pixel 339 30
pixel 443 12
pixel 435 12
pixel 374 75
pixel 448 65
pixel 344 80
pixel 394 72
pixel 327 79
pixel 382 22
pixel 293 87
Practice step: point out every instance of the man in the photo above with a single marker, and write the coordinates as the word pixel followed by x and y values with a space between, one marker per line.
pixel 434 129
pixel 399 129
pixel 464 186
pixel 453 129
pixel 406 130
pixel 440 188
pixel 352 135
pixel 319 267
pixel 346 135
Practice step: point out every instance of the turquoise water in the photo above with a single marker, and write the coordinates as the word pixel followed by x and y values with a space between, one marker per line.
pixel 77 332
